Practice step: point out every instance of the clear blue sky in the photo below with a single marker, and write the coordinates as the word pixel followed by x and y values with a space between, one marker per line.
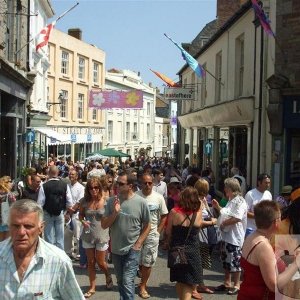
pixel 131 32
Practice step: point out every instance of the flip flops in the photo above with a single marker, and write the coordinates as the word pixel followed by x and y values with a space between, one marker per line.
pixel 221 288
pixel 233 291
pixel 204 289
pixel 109 283
pixel 144 294
pixel 89 294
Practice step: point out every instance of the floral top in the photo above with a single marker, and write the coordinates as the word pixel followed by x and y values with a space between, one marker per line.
pixel 10 197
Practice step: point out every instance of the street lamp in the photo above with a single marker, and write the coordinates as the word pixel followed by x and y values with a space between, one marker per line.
pixel 60 98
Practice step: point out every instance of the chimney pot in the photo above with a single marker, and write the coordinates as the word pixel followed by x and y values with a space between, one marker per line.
pixel 75 32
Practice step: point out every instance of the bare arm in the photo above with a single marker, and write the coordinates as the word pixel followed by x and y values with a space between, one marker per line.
pixel 144 233
pixel 250 215
pixel 162 223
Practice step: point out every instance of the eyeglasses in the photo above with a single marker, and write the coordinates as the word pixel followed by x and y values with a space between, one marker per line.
pixel 94 188
pixel 120 183
pixel 147 183
pixel 109 181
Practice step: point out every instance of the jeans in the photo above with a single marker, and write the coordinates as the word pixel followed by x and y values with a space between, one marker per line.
pixel 54 229
pixel 126 267
pixel 83 258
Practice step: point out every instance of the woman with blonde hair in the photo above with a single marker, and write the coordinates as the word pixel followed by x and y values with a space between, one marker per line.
pixel 94 237
pixel 180 218
pixel 5 196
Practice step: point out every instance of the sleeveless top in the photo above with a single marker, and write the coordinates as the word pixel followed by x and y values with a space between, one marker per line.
pixel 253 286
pixel 96 234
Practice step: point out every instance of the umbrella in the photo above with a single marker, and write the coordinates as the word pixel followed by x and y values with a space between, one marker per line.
pixel 110 152
pixel 95 156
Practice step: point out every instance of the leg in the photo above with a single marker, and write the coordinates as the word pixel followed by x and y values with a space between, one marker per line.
pixel 236 279
pixel 227 280
pixel 186 291
pixel 59 231
pixel 100 259
pixel 145 275
pixel 83 258
pixel 118 261
pixel 49 228
pixel 90 253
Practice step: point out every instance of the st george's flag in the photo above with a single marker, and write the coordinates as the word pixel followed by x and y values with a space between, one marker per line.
pixel 42 38
pixel 263 19
pixel 191 61
pixel 166 79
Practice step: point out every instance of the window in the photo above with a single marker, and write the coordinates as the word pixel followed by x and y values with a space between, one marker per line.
pixel 94 114
pixel 64 105
pixel 134 134
pixel 110 131
pixel 148 132
pixel 127 137
pixel 218 77
pixel 239 66
pixel 148 109
pixel 96 73
pixel 80 106
pixel 81 68
pixel 65 62
pixel 203 89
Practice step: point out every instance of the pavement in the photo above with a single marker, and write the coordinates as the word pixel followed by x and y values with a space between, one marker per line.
pixel 159 286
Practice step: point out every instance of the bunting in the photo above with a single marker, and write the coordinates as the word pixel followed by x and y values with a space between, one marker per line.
pixel 166 79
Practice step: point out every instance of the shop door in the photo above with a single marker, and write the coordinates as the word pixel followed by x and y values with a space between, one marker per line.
pixel 293 157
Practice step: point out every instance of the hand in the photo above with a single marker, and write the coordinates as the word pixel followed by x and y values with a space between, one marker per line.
pixel 214 221
pixel 137 246
pixel 215 203
pixel 117 206
pixel 86 224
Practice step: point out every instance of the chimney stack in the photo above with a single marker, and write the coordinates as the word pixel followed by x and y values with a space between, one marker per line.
pixel 226 9
pixel 75 32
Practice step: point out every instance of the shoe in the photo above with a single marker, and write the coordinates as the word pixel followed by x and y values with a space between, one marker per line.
pixel 204 289
pixel 221 288
pixel 233 291
pixel 89 294
pixel 144 294
pixel 196 295
pixel 109 283
pixel 83 266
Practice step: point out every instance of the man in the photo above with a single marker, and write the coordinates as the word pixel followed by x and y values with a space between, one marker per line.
pixel 158 212
pixel 159 185
pixel 235 172
pixel 77 192
pixel 256 195
pixel 31 191
pixel 55 196
pixel 128 217
pixel 31 268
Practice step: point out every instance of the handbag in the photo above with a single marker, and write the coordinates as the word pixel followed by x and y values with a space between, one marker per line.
pixel 5 211
pixel 177 254
pixel 204 251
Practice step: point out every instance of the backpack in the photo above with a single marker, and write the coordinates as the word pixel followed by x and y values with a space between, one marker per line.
pixel 55 196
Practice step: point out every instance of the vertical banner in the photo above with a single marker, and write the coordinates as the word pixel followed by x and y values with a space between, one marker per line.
pixel 101 99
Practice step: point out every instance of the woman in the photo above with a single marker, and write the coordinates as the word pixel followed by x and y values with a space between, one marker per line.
pixel 258 258
pixel 94 238
pixel 202 188
pixel 106 183
pixel 5 195
pixel 177 229
pixel 232 223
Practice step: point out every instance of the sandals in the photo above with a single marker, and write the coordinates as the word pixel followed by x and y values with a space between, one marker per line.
pixel 222 288
pixel 89 294
pixel 144 294
pixel 109 283
pixel 196 295
pixel 233 291
pixel 204 289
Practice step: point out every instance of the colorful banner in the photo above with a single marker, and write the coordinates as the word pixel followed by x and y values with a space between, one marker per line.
pixel 173 121
pixel 102 99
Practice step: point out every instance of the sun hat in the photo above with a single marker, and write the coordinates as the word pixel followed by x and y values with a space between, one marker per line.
pixel 286 190
pixel 174 180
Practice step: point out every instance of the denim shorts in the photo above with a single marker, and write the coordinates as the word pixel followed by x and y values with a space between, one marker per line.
pixel 3 228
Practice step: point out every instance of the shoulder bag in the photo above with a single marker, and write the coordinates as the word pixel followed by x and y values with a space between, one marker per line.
pixel 177 254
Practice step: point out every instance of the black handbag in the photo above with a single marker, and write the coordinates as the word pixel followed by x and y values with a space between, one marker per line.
pixel 177 254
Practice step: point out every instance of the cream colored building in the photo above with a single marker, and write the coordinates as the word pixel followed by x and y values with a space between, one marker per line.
pixel 74 129
pixel 227 125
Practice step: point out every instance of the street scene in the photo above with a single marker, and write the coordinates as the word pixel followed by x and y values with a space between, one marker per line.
pixel 149 149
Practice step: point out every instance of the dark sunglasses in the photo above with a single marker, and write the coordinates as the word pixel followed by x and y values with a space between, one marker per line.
pixel 94 188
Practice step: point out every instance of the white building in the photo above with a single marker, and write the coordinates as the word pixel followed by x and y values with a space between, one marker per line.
pixel 130 130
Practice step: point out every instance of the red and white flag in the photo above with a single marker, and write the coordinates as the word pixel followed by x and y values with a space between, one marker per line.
pixel 43 37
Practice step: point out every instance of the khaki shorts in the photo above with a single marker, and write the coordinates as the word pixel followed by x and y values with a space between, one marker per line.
pixel 149 251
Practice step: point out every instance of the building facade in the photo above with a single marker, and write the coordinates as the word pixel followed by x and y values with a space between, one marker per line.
pixel 131 130
pixel 76 67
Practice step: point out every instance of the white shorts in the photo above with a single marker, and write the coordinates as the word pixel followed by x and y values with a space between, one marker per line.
pixel 98 246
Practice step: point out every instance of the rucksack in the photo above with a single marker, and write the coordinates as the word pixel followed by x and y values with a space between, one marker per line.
pixel 55 196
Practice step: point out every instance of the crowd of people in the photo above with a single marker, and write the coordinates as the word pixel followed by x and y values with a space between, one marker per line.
pixel 122 212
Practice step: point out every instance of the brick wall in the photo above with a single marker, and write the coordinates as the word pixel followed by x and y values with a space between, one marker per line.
pixel 226 8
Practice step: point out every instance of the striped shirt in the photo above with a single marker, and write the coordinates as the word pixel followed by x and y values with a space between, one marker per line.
pixel 49 275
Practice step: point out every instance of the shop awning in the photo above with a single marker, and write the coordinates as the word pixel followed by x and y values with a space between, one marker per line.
pixel 229 113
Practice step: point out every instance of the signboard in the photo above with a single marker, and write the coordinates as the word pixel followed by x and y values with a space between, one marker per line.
pixel 73 138
pixel 223 147
pixel 30 136
pixel 89 137
pixel 179 94
pixel 52 140
pixel 208 148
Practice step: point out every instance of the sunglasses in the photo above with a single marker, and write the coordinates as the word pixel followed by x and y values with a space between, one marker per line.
pixel 94 188
pixel 120 183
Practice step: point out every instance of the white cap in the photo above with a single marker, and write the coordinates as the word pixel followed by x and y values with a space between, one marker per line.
pixel 174 179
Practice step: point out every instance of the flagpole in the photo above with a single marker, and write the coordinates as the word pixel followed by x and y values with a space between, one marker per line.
pixel 59 17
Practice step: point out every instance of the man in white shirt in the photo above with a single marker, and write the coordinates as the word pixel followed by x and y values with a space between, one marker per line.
pixel 256 195
pixel 159 185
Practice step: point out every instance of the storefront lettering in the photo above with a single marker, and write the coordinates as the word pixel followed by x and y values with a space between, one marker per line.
pixel 78 130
